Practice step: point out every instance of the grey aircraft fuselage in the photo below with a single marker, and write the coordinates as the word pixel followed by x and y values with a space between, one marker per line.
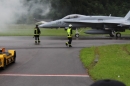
pixel 64 22
pixel 99 24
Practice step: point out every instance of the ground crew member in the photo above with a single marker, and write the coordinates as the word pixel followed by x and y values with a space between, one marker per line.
pixel 37 33
pixel 69 35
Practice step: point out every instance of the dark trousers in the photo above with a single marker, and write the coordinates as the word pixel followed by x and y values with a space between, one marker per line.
pixel 69 40
pixel 37 38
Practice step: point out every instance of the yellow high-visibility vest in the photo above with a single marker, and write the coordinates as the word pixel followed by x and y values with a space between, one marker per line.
pixel 69 32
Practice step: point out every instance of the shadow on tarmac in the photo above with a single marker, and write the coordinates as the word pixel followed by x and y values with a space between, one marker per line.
pixel 90 38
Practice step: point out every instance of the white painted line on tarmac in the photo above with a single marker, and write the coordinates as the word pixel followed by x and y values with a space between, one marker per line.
pixel 44 75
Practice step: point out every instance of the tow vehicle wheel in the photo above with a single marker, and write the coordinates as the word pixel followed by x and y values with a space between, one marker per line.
pixel 14 57
pixel 77 35
pixel 118 35
pixel 4 66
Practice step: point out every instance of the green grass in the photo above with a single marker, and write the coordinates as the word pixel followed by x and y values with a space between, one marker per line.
pixel 27 30
pixel 114 61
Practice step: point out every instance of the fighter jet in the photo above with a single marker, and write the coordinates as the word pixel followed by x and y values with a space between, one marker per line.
pixel 79 21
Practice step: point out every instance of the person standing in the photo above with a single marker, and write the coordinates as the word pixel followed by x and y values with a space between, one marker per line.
pixel 37 33
pixel 69 35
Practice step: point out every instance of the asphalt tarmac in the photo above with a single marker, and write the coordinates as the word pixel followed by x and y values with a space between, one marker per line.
pixel 50 63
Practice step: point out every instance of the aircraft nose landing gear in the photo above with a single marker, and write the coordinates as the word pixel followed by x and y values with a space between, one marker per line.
pixel 77 35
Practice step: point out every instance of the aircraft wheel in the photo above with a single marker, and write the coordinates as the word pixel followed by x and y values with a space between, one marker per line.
pixel 118 35
pixel 77 35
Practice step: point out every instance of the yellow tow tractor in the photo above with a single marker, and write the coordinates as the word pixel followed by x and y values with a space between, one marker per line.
pixel 7 58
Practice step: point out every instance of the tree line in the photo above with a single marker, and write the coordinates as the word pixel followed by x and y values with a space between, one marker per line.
pixel 89 7
pixel 61 8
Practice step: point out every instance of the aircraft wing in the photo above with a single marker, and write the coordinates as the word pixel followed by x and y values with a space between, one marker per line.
pixel 118 22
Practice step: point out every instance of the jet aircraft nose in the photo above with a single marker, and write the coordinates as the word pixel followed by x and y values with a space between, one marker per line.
pixel 44 25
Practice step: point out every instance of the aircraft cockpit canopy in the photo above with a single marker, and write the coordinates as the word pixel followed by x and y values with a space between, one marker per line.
pixel 72 16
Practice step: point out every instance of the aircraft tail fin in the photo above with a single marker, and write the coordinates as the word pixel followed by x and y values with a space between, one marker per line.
pixel 127 17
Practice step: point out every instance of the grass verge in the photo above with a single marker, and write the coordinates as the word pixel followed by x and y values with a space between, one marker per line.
pixel 27 30
pixel 113 62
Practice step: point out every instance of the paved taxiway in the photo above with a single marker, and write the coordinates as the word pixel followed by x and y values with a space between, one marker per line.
pixel 49 64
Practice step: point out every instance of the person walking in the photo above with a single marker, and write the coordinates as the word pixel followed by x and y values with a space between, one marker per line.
pixel 37 33
pixel 69 36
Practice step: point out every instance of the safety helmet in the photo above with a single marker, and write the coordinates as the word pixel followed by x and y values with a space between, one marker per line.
pixel 70 25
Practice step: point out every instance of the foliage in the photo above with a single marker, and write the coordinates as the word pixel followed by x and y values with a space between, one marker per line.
pixel 88 7
pixel 61 8
pixel 113 62
pixel 28 30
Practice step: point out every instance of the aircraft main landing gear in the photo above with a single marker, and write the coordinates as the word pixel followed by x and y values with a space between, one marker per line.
pixel 112 34
pixel 118 35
